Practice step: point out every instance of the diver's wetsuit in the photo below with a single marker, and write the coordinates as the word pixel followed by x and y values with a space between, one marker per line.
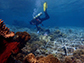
pixel 39 20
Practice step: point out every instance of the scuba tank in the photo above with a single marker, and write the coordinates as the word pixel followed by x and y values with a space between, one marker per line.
pixel 39 14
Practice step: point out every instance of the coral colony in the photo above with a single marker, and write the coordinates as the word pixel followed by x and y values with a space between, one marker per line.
pixel 7 45
pixel 4 31
pixel 47 46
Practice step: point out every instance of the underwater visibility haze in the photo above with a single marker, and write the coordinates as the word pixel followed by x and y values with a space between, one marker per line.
pixel 61 12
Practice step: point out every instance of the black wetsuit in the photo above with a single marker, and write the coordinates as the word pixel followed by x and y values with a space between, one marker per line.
pixel 39 20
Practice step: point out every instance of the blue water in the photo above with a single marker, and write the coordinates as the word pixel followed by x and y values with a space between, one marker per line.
pixel 61 12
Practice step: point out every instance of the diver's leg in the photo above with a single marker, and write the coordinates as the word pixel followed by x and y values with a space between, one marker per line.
pixel 45 11
pixel 46 16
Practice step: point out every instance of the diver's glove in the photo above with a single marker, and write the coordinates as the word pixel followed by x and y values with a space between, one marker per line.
pixel 39 14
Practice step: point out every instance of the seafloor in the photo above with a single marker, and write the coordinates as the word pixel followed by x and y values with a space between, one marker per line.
pixel 59 41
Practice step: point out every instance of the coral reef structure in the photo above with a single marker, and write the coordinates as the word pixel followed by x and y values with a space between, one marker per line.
pixel 30 58
pixel 32 47
pixel 77 57
pixel 65 44
pixel 22 36
pixel 57 34
pixel 45 38
pixel 7 45
pixel 4 31
pixel 34 37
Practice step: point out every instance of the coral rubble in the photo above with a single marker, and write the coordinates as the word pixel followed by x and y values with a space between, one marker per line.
pixel 57 34
pixel 77 57
pixel 34 37
pixel 45 38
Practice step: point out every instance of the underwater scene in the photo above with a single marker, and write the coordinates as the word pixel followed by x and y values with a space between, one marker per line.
pixel 41 31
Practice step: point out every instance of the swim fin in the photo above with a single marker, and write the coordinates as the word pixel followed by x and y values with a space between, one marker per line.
pixel 44 6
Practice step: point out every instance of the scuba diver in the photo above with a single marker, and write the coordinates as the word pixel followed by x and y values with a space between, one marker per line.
pixel 37 20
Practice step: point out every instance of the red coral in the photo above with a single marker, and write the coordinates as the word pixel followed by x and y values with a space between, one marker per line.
pixel 6 46
pixel 9 47
pixel 4 31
